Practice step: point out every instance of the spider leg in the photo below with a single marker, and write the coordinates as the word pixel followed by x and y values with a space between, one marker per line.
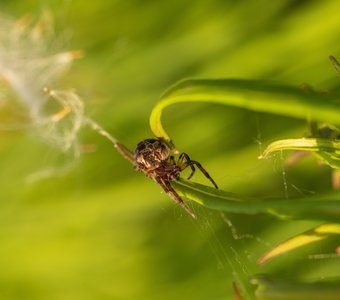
pixel 173 195
pixel 172 160
pixel 184 165
pixel 198 165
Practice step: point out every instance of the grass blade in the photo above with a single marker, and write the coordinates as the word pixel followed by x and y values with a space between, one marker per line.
pixel 256 95
pixel 326 149
pixel 306 144
pixel 318 233
pixel 323 207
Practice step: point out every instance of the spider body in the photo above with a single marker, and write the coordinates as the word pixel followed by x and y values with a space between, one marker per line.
pixel 152 157
pixel 150 154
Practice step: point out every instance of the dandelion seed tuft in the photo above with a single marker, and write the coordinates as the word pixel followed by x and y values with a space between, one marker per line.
pixel 31 60
pixel 31 63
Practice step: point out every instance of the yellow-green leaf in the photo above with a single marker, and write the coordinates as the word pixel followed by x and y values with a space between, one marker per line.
pixel 316 234
pixel 256 95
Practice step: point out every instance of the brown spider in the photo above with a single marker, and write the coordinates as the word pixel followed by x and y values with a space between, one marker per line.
pixel 152 157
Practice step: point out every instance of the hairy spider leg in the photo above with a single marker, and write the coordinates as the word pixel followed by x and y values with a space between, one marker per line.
pixel 173 195
pixel 172 160
pixel 180 163
pixel 198 165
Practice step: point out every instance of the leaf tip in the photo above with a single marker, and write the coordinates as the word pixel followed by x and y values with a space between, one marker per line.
pixel 262 260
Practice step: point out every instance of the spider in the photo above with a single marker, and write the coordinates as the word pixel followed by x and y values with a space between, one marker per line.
pixel 152 157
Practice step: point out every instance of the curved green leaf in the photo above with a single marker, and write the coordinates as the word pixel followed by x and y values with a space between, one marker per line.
pixel 306 144
pixel 257 95
pixel 326 149
pixel 326 207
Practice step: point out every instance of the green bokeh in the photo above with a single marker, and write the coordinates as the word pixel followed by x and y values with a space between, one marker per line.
pixel 103 231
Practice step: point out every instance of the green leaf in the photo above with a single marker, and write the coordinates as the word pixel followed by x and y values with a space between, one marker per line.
pixel 326 149
pixel 256 95
pixel 306 144
pixel 318 233
pixel 272 289
pixel 322 207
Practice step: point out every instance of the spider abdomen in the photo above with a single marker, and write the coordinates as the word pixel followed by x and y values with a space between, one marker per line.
pixel 149 154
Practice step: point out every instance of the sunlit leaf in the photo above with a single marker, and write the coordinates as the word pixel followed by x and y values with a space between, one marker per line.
pixel 316 234
pixel 256 95
pixel 307 144
pixel 326 149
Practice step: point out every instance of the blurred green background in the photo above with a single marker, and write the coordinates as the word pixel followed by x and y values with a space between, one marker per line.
pixel 102 230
